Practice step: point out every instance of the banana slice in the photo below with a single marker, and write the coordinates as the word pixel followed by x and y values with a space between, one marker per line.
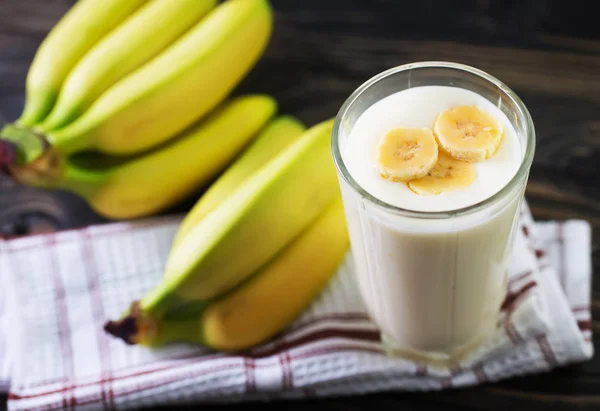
pixel 404 154
pixel 468 133
pixel 448 174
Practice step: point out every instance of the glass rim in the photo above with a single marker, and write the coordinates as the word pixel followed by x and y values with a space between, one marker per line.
pixel 521 173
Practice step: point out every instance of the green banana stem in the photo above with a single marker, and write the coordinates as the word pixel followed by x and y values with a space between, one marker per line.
pixel 139 327
pixel 33 143
pixel 27 145
pixel 30 160
pixel 28 157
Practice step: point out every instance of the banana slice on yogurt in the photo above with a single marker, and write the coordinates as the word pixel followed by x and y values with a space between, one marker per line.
pixel 405 154
pixel 447 175
pixel 467 133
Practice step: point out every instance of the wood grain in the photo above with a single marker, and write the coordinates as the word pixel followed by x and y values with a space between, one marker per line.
pixel 548 52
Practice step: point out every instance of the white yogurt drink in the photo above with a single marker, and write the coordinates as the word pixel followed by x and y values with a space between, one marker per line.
pixel 432 269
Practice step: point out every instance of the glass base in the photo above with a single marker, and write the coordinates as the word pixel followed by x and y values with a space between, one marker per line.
pixel 439 359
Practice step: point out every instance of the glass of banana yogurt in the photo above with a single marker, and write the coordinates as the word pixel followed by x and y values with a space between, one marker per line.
pixel 433 159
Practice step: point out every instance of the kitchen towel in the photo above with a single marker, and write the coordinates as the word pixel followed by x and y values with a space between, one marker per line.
pixel 59 289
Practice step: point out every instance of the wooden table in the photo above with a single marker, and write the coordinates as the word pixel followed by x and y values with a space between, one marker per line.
pixel 322 50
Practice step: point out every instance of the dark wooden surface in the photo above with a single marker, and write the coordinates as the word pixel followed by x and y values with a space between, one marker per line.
pixel 547 51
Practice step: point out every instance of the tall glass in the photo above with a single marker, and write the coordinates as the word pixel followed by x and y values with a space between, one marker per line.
pixel 433 281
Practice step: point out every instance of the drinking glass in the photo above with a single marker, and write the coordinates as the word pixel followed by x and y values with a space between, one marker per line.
pixel 433 282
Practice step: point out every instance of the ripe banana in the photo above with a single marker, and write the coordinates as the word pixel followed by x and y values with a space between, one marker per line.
pixel 86 22
pixel 468 133
pixel 275 137
pixel 273 298
pixel 404 154
pixel 447 175
pixel 124 188
pixel 259 308
pixel 138 39
pixel 252 225
pixel 177 87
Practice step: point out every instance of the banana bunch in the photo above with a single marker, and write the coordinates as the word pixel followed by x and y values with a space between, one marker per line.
pixel 128 105
pixel 128 101
pixel 249 257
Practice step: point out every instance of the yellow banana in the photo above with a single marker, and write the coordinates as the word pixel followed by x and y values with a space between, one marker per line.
pixel 149 183
pixel 249 228
pixel 277 294
pixel 275 137
pixel 264 305
pixel 144 35
pixel 175 89
pixel 274 204
pixel 86 22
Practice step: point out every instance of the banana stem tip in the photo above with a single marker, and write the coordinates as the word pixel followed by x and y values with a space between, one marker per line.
pixel 8 155
pixel 126 328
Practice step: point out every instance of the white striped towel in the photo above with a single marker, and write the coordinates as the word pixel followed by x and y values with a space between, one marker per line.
pixel 59 289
